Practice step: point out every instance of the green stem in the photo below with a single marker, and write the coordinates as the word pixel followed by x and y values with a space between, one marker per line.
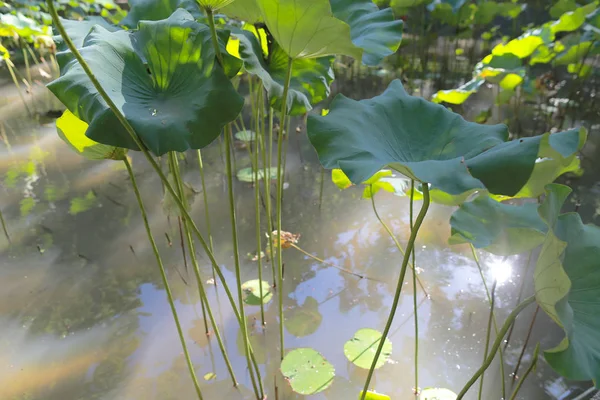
pixel 322 185
pixel 257 210
pixel 526 374
pixel 286 87
pixel 531 324
pixel 236 258
pixel 409 248
pixel 519 297
pixel 163 276
pixel 190 243
pixel 487 337
pixel 167 185
pixel 213 30
pixel 398 245
pixel 4 227
pixel 495 346
pixel 206 209
pixel 490 297
pixel 267 183
pixel 415 303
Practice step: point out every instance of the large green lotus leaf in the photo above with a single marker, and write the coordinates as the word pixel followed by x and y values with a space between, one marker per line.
pixel 375 31
pixel 304 320
pixel 557 156
pixel 78 31
pixel 307 371
pixel 422 140
pixel 460 94
pixel 308 29
pixel 526 44
pixel 567 287
pixel 243 10
pixel 155 10
pixel 361 349
pixel 496 227
pixel 568 22
pixel 310 80
pixel 72 131
pixel 168 85
pixel 575 53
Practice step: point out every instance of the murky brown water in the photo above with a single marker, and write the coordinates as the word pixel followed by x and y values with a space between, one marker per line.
pixel 83 314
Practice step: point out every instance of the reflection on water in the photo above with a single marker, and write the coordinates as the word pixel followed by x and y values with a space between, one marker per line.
pixel 83 314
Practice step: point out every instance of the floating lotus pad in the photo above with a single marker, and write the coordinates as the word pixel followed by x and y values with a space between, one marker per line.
pixel 251 290
pixel 307 371
pixel 361 349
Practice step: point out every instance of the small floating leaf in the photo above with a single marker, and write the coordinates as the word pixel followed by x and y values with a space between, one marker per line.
pixel 373 396
pixel 210 376
pixel 437 394
pixel 361 349
pixel 251 290
pixel 307 371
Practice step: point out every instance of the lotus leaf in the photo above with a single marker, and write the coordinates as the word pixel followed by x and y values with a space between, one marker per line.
pixel 21 26
pixel 251 290
pixel 561 7
pixel 567 281
pixel 458 95
pixel 307 29
pixel 214 4
pixel 307 371
pixel 155 10
pixel 375 31
pixel 526 44
pixel 310 77
pixel 247 174
pixel 164 79
pixel 496 227
pixel 575 54
pixel 437 394
pixel 372 185
pixel 245 136
pixel 304 320
pixel 244 10
pixel 361 349
pixel 72 131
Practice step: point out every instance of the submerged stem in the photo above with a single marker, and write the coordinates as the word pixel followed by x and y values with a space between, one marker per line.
pixel 167 185
pixel 163 276
pixel 206 209
pixel 190 243
pixel 278 201
pixel 487 337
pixel 511 317
pixel 527 372
pixel 409 249
pixel 236 259
pixel 4 228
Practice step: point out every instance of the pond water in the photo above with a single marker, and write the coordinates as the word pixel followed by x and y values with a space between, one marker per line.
pixel 83 314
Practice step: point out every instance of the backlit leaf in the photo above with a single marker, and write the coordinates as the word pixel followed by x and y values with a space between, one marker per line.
pixel 361 349
pixel 307 371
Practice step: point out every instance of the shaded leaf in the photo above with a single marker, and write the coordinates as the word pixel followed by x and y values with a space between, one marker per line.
pixel 310 79
pixel 168 85
pixel 496 227
pixel 567 287
pixel 251 290
pixel 361 349
pixel 375 31
pixel 72 131
pixel 155 10
pixel 307 371
pixel 243 10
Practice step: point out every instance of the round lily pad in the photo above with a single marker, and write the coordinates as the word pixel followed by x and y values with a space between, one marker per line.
pixel 245 136
pixel 437 394
pixel 251 290
pixel 361 349
pixel 307 371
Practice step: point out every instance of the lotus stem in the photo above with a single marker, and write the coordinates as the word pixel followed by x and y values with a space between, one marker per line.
pixel 531 368
pixel 190 243
pixel 166 184
pixel 495 346
pixel 13 76
pixel 206 208
pixel 519 297
pixel 259 392
pixel 4 228
pixel 415 303
pixel 163 276
pixel 531 324
pixel 487 337
pixel 409 248
pixel 490 297
pixel 210 16
pixel 257 212
pixel 26 58
pixel 280 139
pixel 398 245
pixel 267 185
pixel 322 185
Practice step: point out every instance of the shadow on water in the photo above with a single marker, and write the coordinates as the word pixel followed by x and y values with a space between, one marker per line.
pixel 83 314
